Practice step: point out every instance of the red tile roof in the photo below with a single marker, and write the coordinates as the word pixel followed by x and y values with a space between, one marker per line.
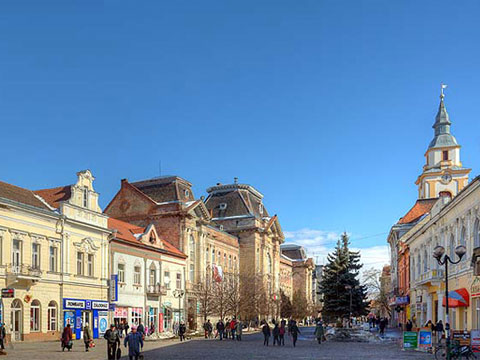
pixel 55 195
pixel 21 195
pixel 421 207
pixel 126 231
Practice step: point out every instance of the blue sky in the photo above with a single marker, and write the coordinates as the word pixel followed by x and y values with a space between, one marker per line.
pixel 325 106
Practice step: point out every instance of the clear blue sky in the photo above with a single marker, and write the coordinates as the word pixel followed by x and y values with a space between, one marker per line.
pixel 324 106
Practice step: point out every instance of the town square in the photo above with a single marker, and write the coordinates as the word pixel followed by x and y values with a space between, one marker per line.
pixel 255 179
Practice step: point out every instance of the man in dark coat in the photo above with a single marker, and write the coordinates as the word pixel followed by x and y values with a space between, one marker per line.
pixel 141 329
pixel 182 329
pixel 87 336
pixel 294 330
pixel 276 335
pixel 266 333
pixel 113 342
pixel 135 342
pixel 220 328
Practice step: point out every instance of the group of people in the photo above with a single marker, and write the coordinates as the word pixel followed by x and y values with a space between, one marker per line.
pixel 134 340
pixel 231 329
pixel 279 331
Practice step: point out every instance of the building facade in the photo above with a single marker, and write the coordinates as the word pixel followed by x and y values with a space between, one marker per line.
pixel 54 246
pixel 302 271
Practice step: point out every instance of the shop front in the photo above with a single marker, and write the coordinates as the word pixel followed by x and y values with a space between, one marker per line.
pixel 79 312
pixel 458 302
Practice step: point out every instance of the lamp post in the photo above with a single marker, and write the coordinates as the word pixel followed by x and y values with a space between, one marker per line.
pixel 438 253
pixel 350 288
pixel 178 293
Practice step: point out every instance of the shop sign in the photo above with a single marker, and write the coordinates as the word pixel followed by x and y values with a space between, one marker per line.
pixel 74 304
pixel 8 293
pixel 410 339
pixel 113 288
pixel 85 304
pixel 475 340
pixel 403 300
pixel 99 305
pixel 120 312
pixel 424 339
pixel 463 337
pixel 102 322
pixel 475 287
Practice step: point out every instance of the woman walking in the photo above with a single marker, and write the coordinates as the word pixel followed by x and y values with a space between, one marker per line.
pixel 266 333
pixel 87 336
pixel 319 332
pixel 294 330
pixel 67 338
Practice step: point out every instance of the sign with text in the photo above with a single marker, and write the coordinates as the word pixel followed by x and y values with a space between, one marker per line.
pixel 8 293
pixel 410 339
pixel 475 340
pixel 424 339
pixel 113 288
pixel 463 337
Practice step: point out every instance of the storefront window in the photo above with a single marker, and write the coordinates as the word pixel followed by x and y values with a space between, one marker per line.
pixel 52 316
pixel 152 320
pixel 136 315
pixel 35 316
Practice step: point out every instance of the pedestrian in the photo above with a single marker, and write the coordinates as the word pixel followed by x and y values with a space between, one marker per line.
pixel 220 328
pixel 113 342
pixel 182 329
pixel 125 327
pixel 87 336
pixel 382 325
pixel 66 339
pixel 281 333
pixel 175 328
pixel 152 328
pixel 439 330
pixel 141 329
pixel 409 325
pixel 294 331
pixel 233 325
pixel 276 334
pixel 227 329
pixel 266 333
pixel 239 329
pixel 135 342
pixel 319 332
pixel 205 329
pixel 209 329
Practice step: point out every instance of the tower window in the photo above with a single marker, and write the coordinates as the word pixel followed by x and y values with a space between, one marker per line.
pixel 445 155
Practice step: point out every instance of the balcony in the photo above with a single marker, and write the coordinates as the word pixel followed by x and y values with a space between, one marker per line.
pixel 435 275
pixel 15 273
pixel 156 290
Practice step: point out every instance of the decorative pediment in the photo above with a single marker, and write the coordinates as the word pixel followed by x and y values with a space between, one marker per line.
pixel 86 245
pixel 150 236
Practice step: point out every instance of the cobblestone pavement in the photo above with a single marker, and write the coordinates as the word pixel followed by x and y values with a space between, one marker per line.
pixel 250 348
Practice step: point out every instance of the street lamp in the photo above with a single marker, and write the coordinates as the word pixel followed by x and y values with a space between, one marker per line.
pixel 438 253
pixel 178 293
pixel 350 289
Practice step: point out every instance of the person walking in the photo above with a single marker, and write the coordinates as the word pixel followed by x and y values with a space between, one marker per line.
pixel 276 334
pixel 239 330
pixel 227 329
pixel 409 325
pixel 281 333
pixel 439 330
pixel 205 329
pixel 209 329
pixel 113 342
pixel 382 325
pixel 135 343
pixel 87 336
pixel 319 332
pixel 125 327
pixel 3 334
pixel 66 339
pixel 220 328
pixel 266 333
pixel 233 326
pixel 141 329
pixel 294 330
pixel 182 329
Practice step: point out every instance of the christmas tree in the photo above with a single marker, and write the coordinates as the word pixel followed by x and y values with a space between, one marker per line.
pixel 340 278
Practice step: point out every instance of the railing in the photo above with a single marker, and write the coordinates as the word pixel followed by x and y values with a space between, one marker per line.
pixel 156 290
pixel 431 275
pixel 23 270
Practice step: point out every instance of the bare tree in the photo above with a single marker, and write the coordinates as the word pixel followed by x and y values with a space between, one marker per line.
pixel 204 292
pixel 377 289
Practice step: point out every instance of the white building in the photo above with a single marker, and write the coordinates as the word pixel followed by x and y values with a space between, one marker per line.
pixel 150 276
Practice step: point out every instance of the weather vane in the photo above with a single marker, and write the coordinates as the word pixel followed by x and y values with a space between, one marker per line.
pixel 443 86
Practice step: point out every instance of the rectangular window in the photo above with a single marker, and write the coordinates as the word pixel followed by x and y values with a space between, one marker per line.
pixel 153 277
pixel 16 255
pixel 36 256
pixel 166 279
pixel 85 197
pixel 121 273
pixel 90 264
pixel 137 275
pixel 80 263
pixel 445 155
pixel 192 273
pixel 53 258
pixel 179 281
pixel 52 318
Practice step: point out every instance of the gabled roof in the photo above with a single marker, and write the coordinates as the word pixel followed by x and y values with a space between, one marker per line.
pixel 133 233
pixel 21 195
pixel 166 189
pixel 421 207
pixel 55 195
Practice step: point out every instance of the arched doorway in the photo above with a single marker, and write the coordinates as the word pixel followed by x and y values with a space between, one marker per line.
pixel 17 320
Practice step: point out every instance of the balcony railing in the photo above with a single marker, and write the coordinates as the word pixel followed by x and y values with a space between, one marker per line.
pixel 23 271
pixel 156 290
pixel 430 276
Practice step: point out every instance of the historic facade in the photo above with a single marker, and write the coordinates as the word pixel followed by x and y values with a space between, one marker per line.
pixel 54 255
pixel 169 204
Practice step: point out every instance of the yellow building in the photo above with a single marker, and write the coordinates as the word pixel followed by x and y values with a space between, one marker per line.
pixel 54 255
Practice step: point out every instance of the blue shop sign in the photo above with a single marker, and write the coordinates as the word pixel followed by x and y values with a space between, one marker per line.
pixel 83 304
pixel 402 300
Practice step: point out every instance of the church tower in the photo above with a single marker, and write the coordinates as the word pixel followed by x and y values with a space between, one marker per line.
pixel 443 173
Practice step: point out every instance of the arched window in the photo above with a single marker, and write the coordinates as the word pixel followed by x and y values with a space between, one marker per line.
pixel 213 256
pixel 257 260
pixel 425 261
pixel 52 316
pixel 235 264
pixel 152 275
pixel 269 263
pixel 476 233
pixel 191 246
pixel 419 264
pixel 207 255
pixel 452 247
pixel 35 316
pixel 412 269
pixel 230 262
pixel 463 240
pixel 225 261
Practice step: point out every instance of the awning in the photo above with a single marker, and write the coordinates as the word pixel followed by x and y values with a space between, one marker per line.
pixel 457 298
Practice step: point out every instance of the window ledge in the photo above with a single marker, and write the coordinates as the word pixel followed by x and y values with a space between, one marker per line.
pixel 86 277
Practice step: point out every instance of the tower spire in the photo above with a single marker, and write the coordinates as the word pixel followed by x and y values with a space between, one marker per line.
pixel 442 135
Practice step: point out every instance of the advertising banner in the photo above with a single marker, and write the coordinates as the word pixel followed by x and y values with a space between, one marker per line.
pixel 475 340
pixel 410 340
pixel 424 339
pixel 463 337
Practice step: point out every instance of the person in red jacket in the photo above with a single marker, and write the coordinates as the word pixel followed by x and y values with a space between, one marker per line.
pixel 67 338
pixel 233 327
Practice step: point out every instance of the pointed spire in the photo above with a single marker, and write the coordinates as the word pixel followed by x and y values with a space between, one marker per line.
pixel 442 136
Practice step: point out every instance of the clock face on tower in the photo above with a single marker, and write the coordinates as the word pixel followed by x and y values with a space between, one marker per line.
pixel 446 178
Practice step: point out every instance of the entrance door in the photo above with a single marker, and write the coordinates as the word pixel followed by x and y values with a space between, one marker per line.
pixel 86 320
pixel 17 320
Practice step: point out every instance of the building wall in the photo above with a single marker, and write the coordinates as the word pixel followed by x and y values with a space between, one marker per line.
pixel 286 277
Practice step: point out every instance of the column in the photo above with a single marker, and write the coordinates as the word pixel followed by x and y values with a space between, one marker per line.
pixel 441 309
pixel 429 307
